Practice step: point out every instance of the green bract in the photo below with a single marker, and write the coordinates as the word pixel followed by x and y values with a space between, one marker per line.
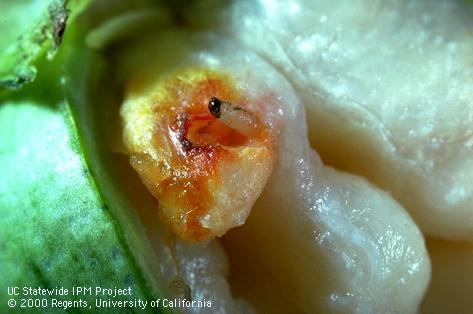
pixel 55 227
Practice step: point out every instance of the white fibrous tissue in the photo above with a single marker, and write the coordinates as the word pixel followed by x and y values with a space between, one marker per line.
pixel 349 140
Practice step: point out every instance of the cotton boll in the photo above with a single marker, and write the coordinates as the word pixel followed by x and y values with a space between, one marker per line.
pixel 330 241
pixel 387 88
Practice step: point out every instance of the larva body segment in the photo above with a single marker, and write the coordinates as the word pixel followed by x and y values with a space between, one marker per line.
pixel 235 117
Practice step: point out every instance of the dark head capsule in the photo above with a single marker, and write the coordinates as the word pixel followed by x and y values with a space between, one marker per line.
pixel 214 106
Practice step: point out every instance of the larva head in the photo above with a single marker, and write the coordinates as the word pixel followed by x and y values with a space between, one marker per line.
pixel 214 106
pixel 205 173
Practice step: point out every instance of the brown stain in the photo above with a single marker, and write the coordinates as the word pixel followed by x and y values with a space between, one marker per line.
pixel 194 164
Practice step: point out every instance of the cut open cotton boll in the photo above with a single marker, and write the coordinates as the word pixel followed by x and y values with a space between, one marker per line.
pixel 329 241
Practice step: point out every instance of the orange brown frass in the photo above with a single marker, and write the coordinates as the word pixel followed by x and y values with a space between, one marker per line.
pixel 205 174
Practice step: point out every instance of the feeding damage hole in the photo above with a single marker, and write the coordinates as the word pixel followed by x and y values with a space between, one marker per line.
pixel 225 124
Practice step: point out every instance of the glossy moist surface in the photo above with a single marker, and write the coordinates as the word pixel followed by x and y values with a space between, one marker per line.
pixel 321 239
pixel 387 89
